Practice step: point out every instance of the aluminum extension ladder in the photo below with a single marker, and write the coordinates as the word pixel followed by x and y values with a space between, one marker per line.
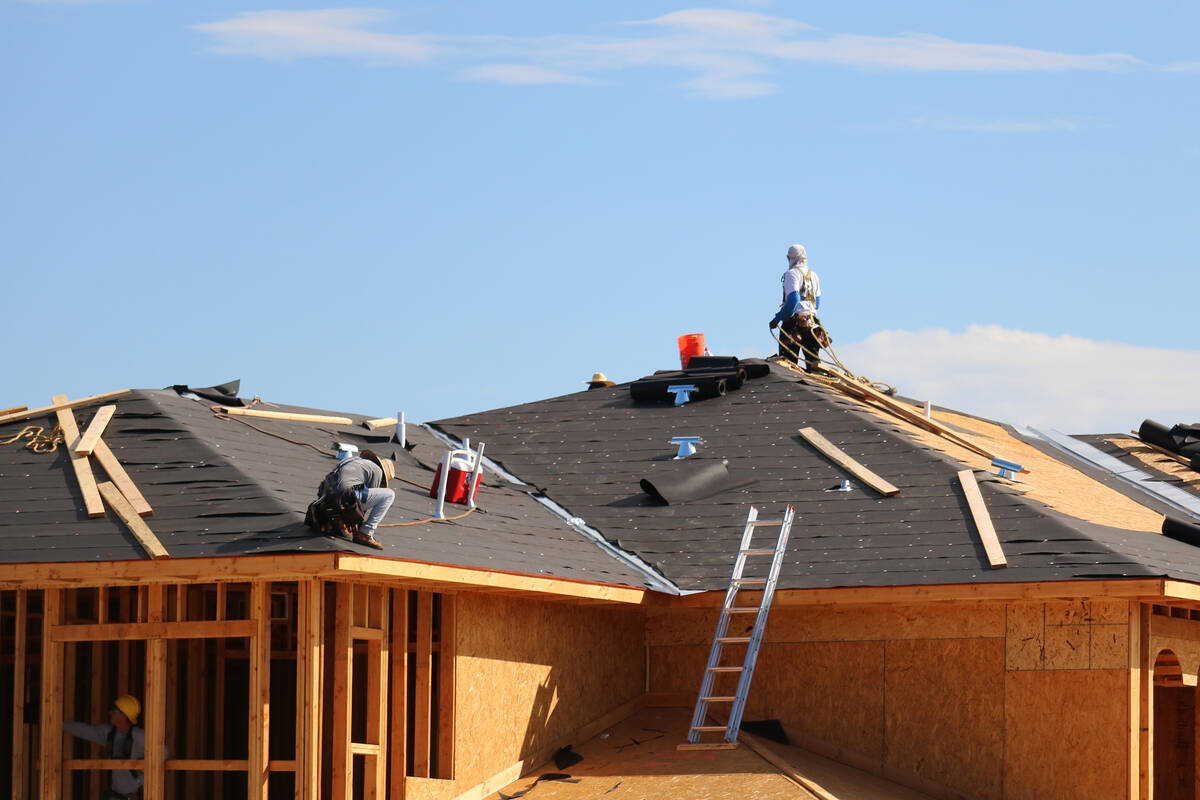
pixel 752 642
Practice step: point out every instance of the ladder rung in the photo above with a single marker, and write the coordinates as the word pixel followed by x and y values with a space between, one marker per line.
pixel 725 669
pixel 764 523
pixel 734 640
pixel 759 552
pixel 718 699
pixel 708 728
pixel 742 610
pixel 749 581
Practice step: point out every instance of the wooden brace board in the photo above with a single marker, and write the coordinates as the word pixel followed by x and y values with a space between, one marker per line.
pixel 837 456
pixel 83 469
pixel 57 405
pixel 121 479
pixel 140 530
pixel 285 415
pixel 383 422
pixel 87 442
pixel 983 520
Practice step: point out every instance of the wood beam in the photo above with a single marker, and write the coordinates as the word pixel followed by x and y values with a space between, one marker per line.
pixel 398 749
pixel 83 470
pixel 183 570
pixel 20 734
pixel 461 576
pixel 155 700
pixel 421 744
pixel 123 631
pixel 140 530
pixel 257 774
pixel 51 717
pixel 57 405
pixel 839 457
pixel 284 415
pixel 1145 704
pixel 120 478
pixel 95 429
pixel 382 422
pixel 447 674
pixel 375 779
pixel 983 520
pixel 343 672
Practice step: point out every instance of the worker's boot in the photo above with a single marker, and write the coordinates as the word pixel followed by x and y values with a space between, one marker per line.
pixel 367 539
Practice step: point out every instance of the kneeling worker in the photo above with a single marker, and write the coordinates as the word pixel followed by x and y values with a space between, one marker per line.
pixel 367 475
pixel 798 313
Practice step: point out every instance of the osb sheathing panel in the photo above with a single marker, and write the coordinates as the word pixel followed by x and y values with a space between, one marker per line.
pixel 530 673
pixel 945 712
pixel 834 623
pixel 1065 734
pixel 1054 483
pixel 1074 634
pixel 832 691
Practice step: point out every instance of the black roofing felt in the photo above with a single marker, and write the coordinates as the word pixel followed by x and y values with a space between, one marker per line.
pixel 223 487
pixel 590 451
pixel 1188 482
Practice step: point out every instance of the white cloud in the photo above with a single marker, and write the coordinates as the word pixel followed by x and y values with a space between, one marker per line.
pixel 966 125
pixel 1063 382
pixel 726 51
pixel 1183 66
pixel 522 75
pixel 328 32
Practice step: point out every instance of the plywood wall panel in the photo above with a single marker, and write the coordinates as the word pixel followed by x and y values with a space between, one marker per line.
pixel 1186 650
pixel 530 672
pixel 1110 612
pixel 1110 645
pixel 945 712
pixel 1068 646
pixel 832 691
pixel 1024 645
pixel 828 623
pixel 1065 734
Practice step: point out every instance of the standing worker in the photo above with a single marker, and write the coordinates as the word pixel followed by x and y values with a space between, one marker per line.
pixel 798 314
pixel 121 738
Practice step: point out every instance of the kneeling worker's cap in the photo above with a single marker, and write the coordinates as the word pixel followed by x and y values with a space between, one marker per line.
pixel 128 705
pixel 599 379
pixel 386 464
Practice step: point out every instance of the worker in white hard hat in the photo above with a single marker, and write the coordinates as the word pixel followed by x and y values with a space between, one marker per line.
pixel 798 312
pixel 122 738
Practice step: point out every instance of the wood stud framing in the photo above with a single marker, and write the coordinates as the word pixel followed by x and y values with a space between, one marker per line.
pixel 20 734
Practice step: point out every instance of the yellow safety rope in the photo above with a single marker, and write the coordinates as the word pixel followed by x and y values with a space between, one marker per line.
pixel 835 367
pixel 39 440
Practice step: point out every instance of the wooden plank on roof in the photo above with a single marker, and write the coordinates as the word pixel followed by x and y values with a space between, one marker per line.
pixel 284 415
pixel 83 469
pixel 140 530
pixel 983 520
pixel 95 429
pixel 56 405
pixel 839 457
pixel 121 479
pixel 4 412
pixel 911 415
pixel 382 422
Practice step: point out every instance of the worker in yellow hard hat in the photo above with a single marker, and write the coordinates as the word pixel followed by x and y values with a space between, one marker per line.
pixel 121 737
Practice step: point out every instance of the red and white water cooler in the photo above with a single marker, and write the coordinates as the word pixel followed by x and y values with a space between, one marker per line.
pixel 462 467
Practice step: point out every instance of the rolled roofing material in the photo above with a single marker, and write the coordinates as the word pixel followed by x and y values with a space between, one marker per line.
pixel 1181 439
pixel 691 479
pixel 1181 531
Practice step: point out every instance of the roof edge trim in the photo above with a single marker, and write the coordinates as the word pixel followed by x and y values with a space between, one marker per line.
pixel 1130 588
pixel 243 567
pixel 653 577
pixel 487 579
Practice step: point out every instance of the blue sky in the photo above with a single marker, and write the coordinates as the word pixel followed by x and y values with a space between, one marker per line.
pixel 443 207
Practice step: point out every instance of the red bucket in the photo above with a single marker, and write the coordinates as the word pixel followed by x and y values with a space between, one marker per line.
pixel 690 344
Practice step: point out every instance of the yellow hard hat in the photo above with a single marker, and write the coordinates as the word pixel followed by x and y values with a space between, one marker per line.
pixel 128 705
